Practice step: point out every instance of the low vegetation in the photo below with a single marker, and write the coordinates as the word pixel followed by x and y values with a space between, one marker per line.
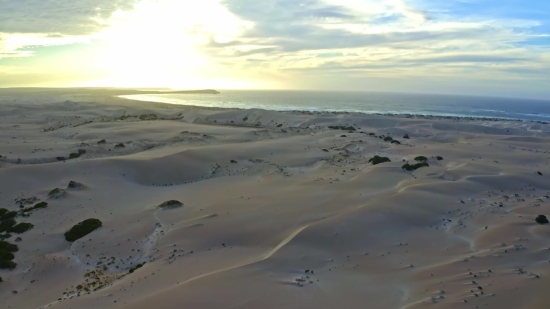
pixel 57 193
pixel 6 224
pixel 378 160
pixel 406 136
pixel 421 159
pixel 541 219
pixel 388 139
pixel 170 205
pixel 21 228
pixel 4 264
pixel 344 128
pixel 6 255
pixel 8 215
pixel 3 211
pixel 439 158
pixel 135 268
pixel 74 185
pixel 82 229
pixel 6 246
pixel 414 167
pixel 37 206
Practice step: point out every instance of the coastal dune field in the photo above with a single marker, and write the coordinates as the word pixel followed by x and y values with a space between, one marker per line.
pixel 269 209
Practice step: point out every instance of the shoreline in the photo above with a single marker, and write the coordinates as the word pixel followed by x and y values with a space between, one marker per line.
pixel 343 112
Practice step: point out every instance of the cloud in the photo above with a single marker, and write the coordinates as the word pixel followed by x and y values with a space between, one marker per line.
pixel 67 17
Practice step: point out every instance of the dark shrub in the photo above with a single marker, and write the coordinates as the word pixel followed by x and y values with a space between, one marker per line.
pixel 7 264
pixel 388 139
pixel 57 193
pixel 135 268
pixel 170 204
pixel 539 173
pixel 406 136
pixel 396 142
pixel 74 155
pixel 37 206
pixel 21 228
pixel 8 215
pixel 421 159
pixel 82 229
pixel 439 158
pixel 61 159
pixel 3 211
pixel 378 160
pixel 372 134
pixel 414 167
pixel 6 255
pixel 279 125
pixel 7 224
pixel 81 151
pixel 344 128
pixel 119 145
pixel 102 142
pixel 541 219
pixel 75 185
pixel 6 246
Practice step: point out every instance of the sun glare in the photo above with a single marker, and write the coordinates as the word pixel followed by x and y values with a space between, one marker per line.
pixel 158 43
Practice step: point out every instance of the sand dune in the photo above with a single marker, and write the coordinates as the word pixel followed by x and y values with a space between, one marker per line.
pixel 277 209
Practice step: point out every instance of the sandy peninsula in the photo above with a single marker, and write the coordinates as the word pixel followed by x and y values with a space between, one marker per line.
pixel 215 208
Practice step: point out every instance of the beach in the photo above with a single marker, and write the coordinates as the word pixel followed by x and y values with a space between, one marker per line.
pixel 251 208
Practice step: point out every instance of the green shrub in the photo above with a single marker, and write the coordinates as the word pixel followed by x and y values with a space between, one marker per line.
pixel 57 193
pixel 406 136
pixel 60 158
pixel 82 229
pixel 170 204
pixel 74 155
pixel 21 228
pixel 7 264
pixel 421 159
pixel 37 206
pixel 396 142
pixel 414 167
pixel 7 224
pixel 6 255
pixel 135 268
pixel 8 215
pixel 3 211
pixel 439 158
pixel 344 128
pixel 5 236
pixel 378 160
pixel 388 139
pixel 541 219
pixel 6 246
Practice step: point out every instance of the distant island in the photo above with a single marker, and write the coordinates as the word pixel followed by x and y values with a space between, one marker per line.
pixel 204 91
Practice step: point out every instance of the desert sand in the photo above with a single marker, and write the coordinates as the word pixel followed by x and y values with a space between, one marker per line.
pixel 277 209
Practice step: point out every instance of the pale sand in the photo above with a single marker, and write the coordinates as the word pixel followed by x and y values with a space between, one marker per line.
pixel 374 236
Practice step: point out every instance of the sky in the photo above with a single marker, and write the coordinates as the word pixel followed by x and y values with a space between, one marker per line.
pixel 473 47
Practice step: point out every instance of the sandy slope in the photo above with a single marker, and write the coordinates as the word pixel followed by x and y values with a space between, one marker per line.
pixel 299 220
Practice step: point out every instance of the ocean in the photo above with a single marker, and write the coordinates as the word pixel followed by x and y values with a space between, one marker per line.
pixel 364 102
